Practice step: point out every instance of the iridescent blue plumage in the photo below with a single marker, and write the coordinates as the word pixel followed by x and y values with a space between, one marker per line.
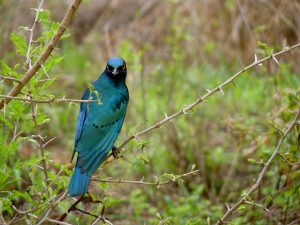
pixel 98 125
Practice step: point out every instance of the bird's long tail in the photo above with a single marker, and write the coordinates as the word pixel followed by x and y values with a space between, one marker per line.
pixel 79 182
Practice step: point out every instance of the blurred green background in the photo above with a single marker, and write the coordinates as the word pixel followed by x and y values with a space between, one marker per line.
pixel 174 50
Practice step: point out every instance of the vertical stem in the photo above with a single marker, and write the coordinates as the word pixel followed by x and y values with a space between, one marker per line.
pixel 40 141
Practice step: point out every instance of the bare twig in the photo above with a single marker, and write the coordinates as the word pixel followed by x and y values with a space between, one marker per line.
pixel 257 205
pixel 41 60
pixel 10 78
pixel 28 60
pixel 201 99
pixel 267 211
pixel 49 220
pixel 259 180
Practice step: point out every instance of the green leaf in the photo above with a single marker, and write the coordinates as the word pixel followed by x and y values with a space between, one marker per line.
pixel 193 167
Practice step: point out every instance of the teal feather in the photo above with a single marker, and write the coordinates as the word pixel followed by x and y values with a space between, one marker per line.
pixel 79 183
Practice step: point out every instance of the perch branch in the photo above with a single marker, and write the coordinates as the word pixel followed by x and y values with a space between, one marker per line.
pixel 259 180
pixel 44 56
pixel 201 99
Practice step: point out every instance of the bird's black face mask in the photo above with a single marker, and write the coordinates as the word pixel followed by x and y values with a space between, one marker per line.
pixel 116 68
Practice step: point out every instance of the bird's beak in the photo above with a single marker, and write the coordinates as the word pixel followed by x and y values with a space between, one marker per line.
pixel 115 72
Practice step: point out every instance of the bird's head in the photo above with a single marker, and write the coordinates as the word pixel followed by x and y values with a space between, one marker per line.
pixel 116 67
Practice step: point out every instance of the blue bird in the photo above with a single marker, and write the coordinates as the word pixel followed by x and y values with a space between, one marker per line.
pixel 99 124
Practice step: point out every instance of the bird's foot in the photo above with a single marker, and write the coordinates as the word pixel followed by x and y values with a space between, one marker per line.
pixel 115 152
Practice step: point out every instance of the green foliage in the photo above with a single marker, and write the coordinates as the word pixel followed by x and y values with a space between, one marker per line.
pixel 21 179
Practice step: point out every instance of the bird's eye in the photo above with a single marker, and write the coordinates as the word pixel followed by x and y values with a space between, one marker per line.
pixel 122 67
pixel 109 67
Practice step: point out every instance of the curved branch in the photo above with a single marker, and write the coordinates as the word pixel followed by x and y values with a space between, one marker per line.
pixel 201 99
pixel 41 60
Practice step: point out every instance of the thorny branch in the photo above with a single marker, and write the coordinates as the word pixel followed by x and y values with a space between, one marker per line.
pixel 47 101
pixel 44 56
pixel 28 60
pixel 259 180
pixel 201 99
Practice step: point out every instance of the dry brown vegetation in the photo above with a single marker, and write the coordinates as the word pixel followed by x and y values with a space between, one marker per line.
pixel 214 28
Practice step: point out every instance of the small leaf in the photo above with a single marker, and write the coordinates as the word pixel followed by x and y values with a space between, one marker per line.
pixel 158 216
pixel 208 220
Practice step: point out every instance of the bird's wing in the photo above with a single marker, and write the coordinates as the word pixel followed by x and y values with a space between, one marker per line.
pixel 81 119
pixel 82 115
pixel 99 132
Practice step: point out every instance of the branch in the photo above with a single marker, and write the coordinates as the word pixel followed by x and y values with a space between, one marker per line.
pixel 201 99
pixel 258 183
pixel 41 60
pixel 142 182
pixel 49 100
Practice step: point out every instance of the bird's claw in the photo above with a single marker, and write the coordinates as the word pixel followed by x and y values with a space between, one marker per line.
pixel 115 152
